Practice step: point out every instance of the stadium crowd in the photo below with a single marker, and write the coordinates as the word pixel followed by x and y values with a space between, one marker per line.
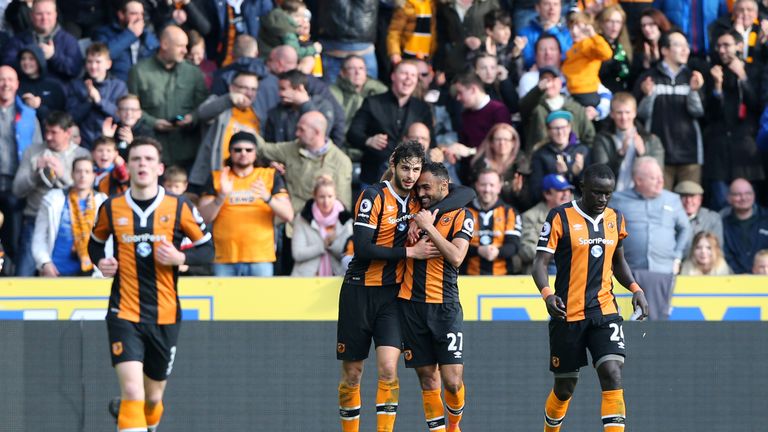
pixel 274 115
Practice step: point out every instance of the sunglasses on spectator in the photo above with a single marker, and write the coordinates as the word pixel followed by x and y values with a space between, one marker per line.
pixel 242 149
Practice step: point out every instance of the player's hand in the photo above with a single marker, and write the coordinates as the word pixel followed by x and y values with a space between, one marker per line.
pixel 555 307
pixel 414 232
pixel 423 249
pixel 167 254
pixel 49 270
pixel 107 266
pixel 425 219
pixel 638 300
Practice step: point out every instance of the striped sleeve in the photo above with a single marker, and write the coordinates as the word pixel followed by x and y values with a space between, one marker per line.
pixel 551 232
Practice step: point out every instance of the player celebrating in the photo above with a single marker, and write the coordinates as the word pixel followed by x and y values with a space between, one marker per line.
pixel 144 315
pixel 431 317
pixel 585 238
pixel 368 297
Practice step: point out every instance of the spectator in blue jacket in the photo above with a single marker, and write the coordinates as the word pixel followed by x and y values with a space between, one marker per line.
pixel 548 20
pixel 745 227
pixel 694 23
pixel 129 39
pixel 94 98
pixel 60 49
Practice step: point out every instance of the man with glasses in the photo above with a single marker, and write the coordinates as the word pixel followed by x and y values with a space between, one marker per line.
pixel 241 201
pixel 558 155
pixel 745 227
pixel 230 113
pixel 128 124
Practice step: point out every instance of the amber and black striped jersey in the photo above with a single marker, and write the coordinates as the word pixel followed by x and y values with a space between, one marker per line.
pixel 499 226
pixel 144 290
pixel 381 209
pixel 435 280
pixel 584 250
pixel 109 186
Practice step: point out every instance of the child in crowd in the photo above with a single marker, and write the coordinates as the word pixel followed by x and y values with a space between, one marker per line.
pixel 196 56
pixel 308 64
pixel 582 63
pixel 175 182
pixel 94 98
pixel 498 30
pixel 281 27
pixel 111 173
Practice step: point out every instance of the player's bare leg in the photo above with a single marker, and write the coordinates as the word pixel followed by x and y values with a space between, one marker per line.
pixel 558 400
pixel 612 410
pixel 153 402
pixel 388 392
pixel 130 374
pixel 451 377
pixel 349 395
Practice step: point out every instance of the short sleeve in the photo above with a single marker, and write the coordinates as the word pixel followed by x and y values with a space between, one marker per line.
pixel 551 232
pixel 368 208
pixel 464 225
pixel 192 224
pixel 101 227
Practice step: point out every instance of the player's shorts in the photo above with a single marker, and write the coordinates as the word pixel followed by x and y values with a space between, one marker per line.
pixel 365 313
pixel 603 336
pixel 152 344
pixel 433 333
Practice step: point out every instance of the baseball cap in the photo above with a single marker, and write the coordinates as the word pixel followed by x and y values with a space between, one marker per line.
pixel 556 182
pixel 242 136
pixel 560 114
pixel 688 187
pixel 550 70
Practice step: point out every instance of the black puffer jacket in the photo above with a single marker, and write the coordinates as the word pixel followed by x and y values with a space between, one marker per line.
pixel 348 20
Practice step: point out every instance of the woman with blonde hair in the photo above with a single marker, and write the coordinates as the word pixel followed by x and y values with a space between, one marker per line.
pixel 321 232
pixel 705 257
pixel 612 25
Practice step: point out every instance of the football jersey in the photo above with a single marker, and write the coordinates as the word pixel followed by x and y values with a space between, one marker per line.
pixel 143 290
pixel 583 249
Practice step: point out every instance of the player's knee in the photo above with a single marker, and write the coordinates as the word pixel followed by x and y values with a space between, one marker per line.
pixel 429 382
pixel 152 401
pixel 453 385
pixel 388 372
pixel 564 388
pixel 133 391
pixel 610 376
pixel 351 374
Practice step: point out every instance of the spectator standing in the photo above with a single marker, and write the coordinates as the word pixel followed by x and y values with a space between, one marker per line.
pixel 548 20
pixel 187 14
pixel 623 141
pixel 60 49
pixel 18 16
pixel 347 28
pixel 20 130
pixel 480 112
pixel 196 56
pixel 64 222
pixel 229 114
pixel 694 17
pixel 670 104
pixel 94 98
pixel 612 25
pixel 701 218
pixel 382 121
pixel 496 238
pixel 233 19
pixel 129 38
pixel 320 233
pixel 734 108
pixel 705 257
pixel 555 191
pixel 647 52
pixel 295 100
pixel 170 90
pixel 660 233
pixel 745 227
pixel 238 193
pixel 352 86
pixel 558 155
pixel 38 90
pixel 43 167
pixel 311 152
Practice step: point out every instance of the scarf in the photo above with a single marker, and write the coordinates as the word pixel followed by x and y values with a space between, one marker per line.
pixel 327 225
pixel 82 224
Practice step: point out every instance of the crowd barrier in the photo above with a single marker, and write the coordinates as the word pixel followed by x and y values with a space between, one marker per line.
pixel 514 298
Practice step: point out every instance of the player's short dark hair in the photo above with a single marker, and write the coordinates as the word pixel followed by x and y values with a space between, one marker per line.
pixel 437 169
pixel 59 118
pixel 598 171
pixel 295 77
pixel 80 159
pixel 497 16
pixel 408 150
pixel 145 140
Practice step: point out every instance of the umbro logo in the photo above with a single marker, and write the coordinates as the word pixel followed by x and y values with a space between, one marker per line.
pixel 390 208
pixel 457 354
pixel 577 227
pixel 122 221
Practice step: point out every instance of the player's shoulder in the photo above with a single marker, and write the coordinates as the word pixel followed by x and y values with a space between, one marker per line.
pixel 376 190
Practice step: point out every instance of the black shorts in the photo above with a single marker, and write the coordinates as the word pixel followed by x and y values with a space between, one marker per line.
pixel 433 333
pixel 152 344
pixel 365 313
pixel 569 342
